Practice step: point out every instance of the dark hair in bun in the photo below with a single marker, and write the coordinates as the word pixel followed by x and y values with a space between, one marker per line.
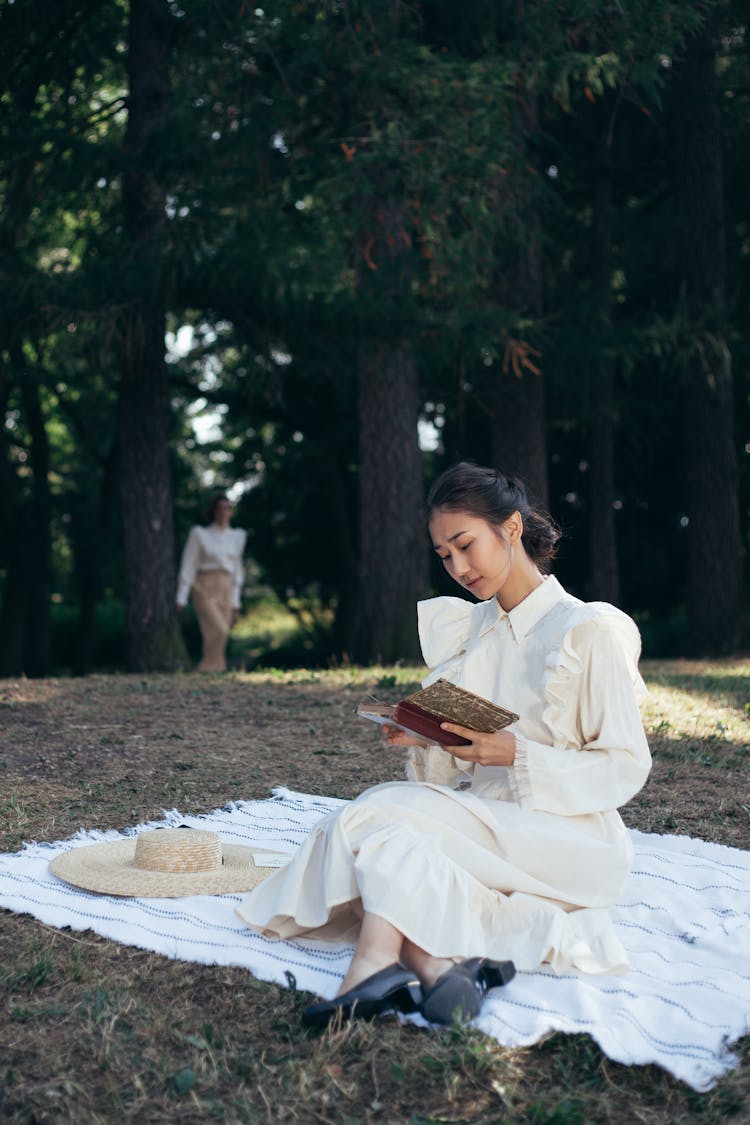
pixel 492 496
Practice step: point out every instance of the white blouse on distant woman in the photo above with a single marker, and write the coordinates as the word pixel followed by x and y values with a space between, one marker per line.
pixel 515 862
pixel 212 548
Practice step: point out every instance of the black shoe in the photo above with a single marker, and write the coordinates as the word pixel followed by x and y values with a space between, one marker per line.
pixel 459 992
pixel 393 989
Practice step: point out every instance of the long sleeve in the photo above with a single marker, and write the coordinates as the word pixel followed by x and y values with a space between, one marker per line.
pixel 188 566
pixel 603 763
pixel 238 570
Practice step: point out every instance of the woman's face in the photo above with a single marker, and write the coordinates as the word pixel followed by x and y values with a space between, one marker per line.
pixel 478 555
pixel 223 513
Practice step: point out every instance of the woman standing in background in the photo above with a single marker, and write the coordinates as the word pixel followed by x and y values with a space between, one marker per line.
pixel 211 574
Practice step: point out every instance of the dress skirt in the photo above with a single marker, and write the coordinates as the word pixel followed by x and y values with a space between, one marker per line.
pixel 211 595
pixel 459 875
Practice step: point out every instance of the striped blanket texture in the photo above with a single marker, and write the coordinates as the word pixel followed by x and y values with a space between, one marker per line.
pixel 684 916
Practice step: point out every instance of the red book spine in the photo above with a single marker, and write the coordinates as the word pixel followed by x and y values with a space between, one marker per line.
pixel 425 723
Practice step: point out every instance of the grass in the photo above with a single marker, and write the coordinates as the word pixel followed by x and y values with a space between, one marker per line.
pixel 94 1032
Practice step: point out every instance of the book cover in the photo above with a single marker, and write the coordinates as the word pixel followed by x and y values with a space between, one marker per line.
pixel 422 713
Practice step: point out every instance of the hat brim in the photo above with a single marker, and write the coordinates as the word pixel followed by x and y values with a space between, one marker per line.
pixel 109 868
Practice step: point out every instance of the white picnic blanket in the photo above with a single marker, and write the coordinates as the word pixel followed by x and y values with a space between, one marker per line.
pixel 684 916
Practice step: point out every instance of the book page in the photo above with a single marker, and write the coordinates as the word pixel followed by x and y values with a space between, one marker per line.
pixel 379 712
pixel 382 713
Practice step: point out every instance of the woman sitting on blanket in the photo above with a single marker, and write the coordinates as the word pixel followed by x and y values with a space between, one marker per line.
pixel 509 849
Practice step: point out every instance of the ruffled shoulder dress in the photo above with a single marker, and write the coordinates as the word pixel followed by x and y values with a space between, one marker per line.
pixel 515 863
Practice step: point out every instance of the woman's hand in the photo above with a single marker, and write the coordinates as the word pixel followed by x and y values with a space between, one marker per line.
pixel 498 749
pixel 394 736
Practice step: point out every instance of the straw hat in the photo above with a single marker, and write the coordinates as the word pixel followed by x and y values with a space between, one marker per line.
pixel 163 863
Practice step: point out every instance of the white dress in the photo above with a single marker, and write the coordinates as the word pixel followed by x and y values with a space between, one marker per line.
pixel 466 860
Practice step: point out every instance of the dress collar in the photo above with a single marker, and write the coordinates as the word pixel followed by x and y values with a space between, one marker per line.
pixel 523 617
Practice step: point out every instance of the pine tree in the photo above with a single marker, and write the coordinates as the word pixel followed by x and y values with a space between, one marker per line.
pixel 716 598
pixel 153 637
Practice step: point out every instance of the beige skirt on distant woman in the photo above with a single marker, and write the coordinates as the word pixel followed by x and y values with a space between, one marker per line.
pixel 211 595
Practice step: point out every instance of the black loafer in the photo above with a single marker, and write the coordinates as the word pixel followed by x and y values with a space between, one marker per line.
pixel 393 989
pixel 459 992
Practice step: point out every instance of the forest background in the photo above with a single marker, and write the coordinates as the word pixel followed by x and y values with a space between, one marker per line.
pixel 317 251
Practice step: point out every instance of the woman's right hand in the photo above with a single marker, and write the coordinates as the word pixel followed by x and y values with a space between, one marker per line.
pixel 394 736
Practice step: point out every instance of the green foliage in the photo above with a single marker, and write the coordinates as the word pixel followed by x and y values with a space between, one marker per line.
pixel 293 127
pixel 109 633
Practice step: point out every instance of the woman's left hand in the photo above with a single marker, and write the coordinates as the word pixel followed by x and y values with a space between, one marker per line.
pixel 395 736
pixel 498 749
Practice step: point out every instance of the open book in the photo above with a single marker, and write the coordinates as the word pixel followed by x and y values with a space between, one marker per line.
pixel 424 711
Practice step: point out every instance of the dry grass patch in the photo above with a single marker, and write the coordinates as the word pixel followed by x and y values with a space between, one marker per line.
pixel 95 1032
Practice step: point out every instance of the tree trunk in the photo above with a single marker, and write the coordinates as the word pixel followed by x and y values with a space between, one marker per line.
pixel 37 647
pixel 345 532
pixel 605 583
pixel 24 619
pixel 91 523
pixel 13 613
pixel 152 631
pixel 518 439
pixel 393 571
pixel 715 556
pixel 393 545
pixel 13 609
pixel 17 529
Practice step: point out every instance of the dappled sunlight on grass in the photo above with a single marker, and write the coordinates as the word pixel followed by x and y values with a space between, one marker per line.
pixel 724 669
pixel 270 617
pixel 25 693
pixel 385 678
pixel 294 632
pixel 691 700
pixel 672 713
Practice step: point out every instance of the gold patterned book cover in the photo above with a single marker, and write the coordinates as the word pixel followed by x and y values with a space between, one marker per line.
pixel 423 712
pixel 457 705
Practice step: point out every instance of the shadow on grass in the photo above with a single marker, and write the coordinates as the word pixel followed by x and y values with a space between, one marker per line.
pixel 730 684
